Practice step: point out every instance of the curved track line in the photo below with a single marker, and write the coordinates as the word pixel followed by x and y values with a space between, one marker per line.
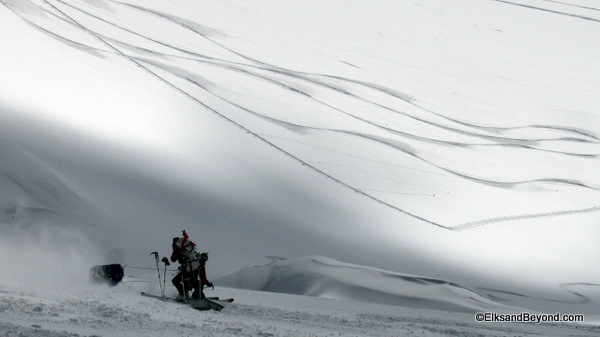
pixel 307 77
pixel 549 10
pixel 240 126
pixel 578 298
pixel 572 5
pixel 474 224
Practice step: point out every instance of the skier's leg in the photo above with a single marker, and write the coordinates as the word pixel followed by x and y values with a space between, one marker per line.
pixel 178 283
pixel 196 285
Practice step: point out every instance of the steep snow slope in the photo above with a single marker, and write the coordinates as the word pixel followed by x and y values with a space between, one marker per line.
pixel 452 139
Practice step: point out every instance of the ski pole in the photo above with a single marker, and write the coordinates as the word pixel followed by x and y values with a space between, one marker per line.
pixel 158 271
pixel 185 278
pixel 191 278
pixel 166 262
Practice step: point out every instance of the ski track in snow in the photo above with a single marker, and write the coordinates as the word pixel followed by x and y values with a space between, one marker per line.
pixel 157 61
pixel 573 5
pixel 478 223
pixel 583 17
pixel 575 297
pixel 501 141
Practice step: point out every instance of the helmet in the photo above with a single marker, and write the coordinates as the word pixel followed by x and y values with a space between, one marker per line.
pixel 204 257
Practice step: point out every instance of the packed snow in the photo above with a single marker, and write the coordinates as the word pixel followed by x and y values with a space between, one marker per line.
pixel 404 164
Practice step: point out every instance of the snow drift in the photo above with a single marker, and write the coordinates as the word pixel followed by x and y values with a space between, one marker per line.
pixel 323 277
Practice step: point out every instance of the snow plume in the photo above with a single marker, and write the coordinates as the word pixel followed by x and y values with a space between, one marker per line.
pixel 43 257
pixel 43 225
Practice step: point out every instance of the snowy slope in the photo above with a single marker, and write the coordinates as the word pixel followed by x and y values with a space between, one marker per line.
pixel 322 277
pixel 456 140
pixel 121 312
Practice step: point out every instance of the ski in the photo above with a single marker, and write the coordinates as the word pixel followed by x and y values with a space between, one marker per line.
pixel 163 298
pixel 226 300
pixel 196 303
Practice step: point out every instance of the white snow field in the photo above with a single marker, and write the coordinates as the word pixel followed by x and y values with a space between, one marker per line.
pixel 404 164
pixel 87 310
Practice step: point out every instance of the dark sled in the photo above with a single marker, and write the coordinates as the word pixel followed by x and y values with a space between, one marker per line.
pixel 111 274
pixel 204 304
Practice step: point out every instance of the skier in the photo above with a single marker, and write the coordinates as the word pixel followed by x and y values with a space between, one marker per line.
pixel 202 272
pixel 184 252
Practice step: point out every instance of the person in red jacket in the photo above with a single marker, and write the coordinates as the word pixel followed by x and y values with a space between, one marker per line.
pixel 202 273
pixel 187 277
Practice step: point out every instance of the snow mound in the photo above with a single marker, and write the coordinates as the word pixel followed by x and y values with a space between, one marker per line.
pixel 319 276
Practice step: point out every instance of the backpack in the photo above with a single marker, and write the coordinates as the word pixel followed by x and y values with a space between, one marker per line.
pixel 188 256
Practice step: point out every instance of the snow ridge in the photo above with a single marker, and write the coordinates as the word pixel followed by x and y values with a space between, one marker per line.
pixel 323 277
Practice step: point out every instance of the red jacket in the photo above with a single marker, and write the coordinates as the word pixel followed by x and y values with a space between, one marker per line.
pixel 175 255
pixel 203 280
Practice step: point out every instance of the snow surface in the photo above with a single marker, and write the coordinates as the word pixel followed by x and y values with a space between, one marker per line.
pixel 322 277
pixel 453 142
pixel 120 312
pixel 97 310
